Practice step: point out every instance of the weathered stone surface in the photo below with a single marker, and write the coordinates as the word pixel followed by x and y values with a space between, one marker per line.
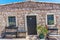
pixel 19 10
pixel 30 5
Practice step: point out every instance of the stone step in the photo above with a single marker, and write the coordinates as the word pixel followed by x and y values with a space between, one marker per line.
pixel 32 37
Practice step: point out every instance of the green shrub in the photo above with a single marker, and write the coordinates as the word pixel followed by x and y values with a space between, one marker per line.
pixel 42 31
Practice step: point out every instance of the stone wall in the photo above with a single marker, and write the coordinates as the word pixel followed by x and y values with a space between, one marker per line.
pixel 20 16
pixel 30 5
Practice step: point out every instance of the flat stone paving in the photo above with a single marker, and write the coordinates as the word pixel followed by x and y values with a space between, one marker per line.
pixel 12 39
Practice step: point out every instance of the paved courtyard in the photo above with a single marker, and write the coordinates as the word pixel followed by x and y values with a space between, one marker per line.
pixel 13 39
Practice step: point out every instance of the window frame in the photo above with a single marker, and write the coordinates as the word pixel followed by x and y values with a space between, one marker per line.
pixel 54 19
pixel 10 17
pixel 8 20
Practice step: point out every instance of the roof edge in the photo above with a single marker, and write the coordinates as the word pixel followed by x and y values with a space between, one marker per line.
pixel 28 1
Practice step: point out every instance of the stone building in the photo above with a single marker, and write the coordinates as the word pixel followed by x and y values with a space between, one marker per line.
pixel 27 15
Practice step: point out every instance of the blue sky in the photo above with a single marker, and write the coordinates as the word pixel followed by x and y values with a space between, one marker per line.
pixel 12 1
pixel 53 1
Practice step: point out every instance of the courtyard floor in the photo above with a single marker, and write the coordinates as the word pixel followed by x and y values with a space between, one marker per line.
pixel 14 39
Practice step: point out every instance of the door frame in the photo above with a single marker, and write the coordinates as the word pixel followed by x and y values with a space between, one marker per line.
pixel 26 21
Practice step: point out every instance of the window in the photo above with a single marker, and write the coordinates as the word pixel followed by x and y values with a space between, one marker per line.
pixel 12 20
pixel 50 19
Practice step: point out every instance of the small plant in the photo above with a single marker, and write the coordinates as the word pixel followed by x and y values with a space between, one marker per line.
pixel 42 31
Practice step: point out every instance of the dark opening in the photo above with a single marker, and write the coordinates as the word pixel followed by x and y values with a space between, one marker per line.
pixel 31 25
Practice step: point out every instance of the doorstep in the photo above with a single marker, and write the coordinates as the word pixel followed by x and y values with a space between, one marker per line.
pixel 40 39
